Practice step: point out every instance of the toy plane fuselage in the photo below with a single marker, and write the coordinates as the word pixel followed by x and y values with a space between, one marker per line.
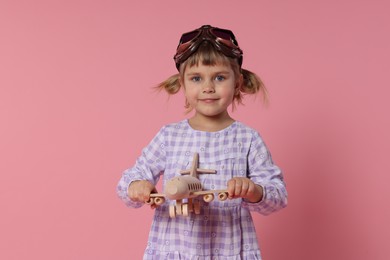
pixel 182 187
pixel 187 186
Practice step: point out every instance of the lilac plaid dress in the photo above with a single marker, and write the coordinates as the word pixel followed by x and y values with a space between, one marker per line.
pixel 224 229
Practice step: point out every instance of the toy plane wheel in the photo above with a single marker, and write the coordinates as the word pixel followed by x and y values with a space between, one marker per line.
pixel 172 211
pixel 179 207
pixel 222 196
pixel 184 210
pixel 150 201
pixel 208 197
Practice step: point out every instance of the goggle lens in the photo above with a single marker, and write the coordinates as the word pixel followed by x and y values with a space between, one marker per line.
pixel 223 39
pixel 224 34
pixel 189 36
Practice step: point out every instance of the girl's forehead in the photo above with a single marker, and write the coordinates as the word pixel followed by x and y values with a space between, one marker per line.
pixel 218 66
pixel 205 67
pixel 209 63
pixel 209 59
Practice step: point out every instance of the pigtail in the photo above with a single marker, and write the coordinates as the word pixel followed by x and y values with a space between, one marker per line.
pixel 170 85
pixel 252 84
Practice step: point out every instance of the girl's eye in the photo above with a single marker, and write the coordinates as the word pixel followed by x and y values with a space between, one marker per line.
pixel 195 78
pixel 219 78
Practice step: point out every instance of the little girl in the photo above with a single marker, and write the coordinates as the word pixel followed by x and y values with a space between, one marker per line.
pixel 209 63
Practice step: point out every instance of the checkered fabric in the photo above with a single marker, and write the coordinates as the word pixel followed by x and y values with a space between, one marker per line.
pixel 224 229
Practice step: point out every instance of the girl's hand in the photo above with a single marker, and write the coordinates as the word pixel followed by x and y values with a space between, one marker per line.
pixel 140 190
pixel 241 187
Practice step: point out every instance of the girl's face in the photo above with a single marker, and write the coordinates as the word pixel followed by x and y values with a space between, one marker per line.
pixel 210 89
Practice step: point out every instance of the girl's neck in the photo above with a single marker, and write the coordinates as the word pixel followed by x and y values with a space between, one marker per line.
pixel 210 124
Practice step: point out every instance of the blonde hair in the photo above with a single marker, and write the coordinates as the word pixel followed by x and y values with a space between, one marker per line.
pixel 208 55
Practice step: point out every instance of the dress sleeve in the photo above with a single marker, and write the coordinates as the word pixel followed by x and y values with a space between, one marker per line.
pixel 149 166
pixel 262 171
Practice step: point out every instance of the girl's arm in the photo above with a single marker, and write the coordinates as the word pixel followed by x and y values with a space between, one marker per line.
pixel 148 167
pixel 269 178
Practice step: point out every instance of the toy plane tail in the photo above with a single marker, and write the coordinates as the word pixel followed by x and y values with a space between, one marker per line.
pixel 194 168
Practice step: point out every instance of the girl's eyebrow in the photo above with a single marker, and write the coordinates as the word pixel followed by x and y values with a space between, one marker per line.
pixel 214 73
pixel 222 72
pixel 192 74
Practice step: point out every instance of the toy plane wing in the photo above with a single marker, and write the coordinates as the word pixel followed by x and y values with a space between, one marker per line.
pixel 206 192
pixel 208 195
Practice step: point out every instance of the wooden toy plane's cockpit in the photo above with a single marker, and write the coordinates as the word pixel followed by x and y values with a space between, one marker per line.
pixel 187 186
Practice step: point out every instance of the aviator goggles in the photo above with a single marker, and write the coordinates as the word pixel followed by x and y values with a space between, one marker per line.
pixel 223 40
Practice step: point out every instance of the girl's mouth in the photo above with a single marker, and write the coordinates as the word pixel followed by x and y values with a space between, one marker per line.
pixel 208 100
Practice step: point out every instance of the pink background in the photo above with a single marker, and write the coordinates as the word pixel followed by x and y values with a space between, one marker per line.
pixel 76 108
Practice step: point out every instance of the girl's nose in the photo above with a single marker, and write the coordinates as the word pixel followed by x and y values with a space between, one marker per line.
pixel 208 87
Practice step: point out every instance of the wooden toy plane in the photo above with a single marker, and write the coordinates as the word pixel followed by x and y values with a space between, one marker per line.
pixel 187 186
